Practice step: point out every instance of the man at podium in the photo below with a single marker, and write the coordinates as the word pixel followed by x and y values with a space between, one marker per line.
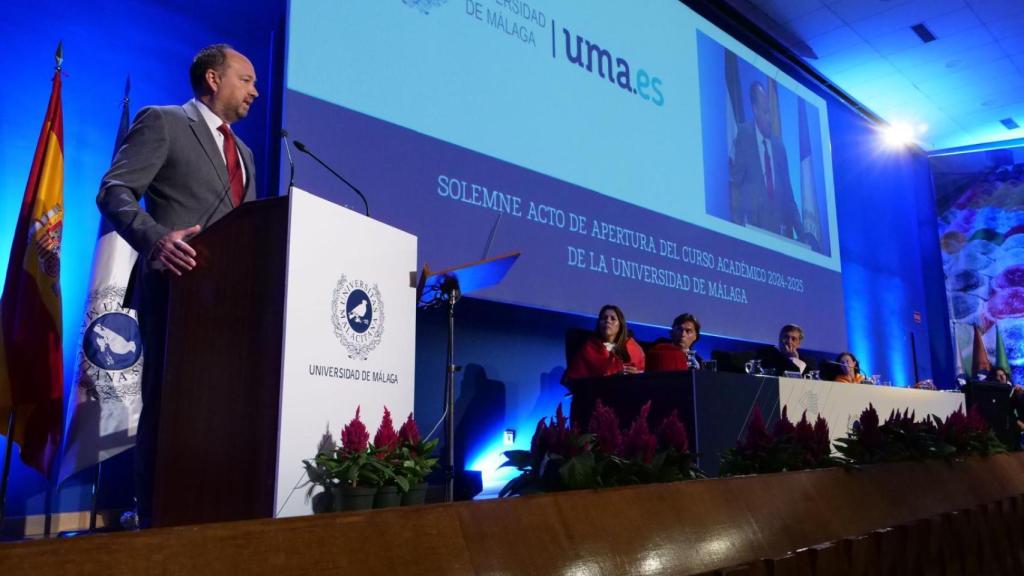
pixel 192 170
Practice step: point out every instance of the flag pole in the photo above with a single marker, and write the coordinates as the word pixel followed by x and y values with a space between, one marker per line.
pixel 8 452
pixel 94 504
pixel 48 504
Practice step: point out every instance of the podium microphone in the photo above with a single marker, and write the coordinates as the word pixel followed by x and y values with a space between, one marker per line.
pixel 291 161
pixel 302 148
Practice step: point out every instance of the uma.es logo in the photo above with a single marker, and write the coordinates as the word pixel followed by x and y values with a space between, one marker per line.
pixel 597 59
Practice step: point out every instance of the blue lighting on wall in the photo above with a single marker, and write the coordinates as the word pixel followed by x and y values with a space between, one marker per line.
pixel 104 42
pixel 881 201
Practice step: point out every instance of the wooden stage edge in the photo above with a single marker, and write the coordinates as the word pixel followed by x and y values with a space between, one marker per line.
pixel 680 528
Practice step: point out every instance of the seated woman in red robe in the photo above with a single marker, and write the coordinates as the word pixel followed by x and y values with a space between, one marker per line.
pixel 669 355
pixel 609 350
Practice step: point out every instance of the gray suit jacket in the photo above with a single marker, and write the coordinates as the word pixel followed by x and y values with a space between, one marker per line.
pixel 749 202
pixel 170 158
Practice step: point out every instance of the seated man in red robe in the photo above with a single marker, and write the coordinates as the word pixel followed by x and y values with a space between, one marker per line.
pixel 673 354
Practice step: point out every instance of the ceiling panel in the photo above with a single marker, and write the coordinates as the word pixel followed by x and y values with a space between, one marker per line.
pixel 830 43
pixel 904 16
pixel 1013 45
pixel 1007 27
pixel 817 22
pixel 991 11
pixel 971 99
pixel 786 10
pixel 951 23
pixel 966 78
pixel 895 42
pixel 942 49
pixel 854 10
pixel 922 71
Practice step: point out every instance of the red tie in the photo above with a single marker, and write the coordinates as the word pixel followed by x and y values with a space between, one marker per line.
pixel 769 179
pixel 234 166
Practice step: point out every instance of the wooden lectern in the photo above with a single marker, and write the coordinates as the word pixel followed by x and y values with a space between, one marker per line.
pixel 299 311
pixel 217 449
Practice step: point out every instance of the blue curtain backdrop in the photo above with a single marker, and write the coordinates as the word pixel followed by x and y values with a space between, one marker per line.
pixel 104 41
pixel 514 357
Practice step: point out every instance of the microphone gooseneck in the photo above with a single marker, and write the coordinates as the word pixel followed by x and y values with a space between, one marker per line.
pixel 302 148
pixel 291 161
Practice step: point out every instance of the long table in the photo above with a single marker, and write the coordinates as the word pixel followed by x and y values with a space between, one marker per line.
pixel 715 406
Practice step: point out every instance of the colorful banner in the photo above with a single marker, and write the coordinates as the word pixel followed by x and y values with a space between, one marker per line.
pixel 980 207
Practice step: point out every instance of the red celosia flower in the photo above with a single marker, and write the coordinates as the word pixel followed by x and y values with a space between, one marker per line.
pixel 672 434
pixel 975 422
pixel 956 429
pixel 560 419
pixel 639 443
pixel 604 425
pixel 539 443
pixel 385 439
pixel 758 437
pixel 822 441
pixel 804 433
pixel 784 427
pixel 354 436
pixel 867 429
pixel 409 433
pixel 560 437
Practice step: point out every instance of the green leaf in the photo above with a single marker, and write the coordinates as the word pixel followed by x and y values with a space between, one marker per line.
pixel 518 459
pixel 403 484
pixel 578 472
pixel 516 485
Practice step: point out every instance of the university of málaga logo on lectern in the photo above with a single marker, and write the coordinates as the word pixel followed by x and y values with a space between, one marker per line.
pixel 111 362
pixel 358 315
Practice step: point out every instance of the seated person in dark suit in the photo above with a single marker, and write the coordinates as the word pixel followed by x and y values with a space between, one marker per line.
pixel 610 350
pixel 669 355
pixel 786 357
pixel 1000 376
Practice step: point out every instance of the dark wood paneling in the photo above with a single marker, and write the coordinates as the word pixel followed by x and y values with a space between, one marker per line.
pixel 217 452
pixel 681 528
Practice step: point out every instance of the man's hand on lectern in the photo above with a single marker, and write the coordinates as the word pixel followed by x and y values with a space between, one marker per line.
pixel 174 252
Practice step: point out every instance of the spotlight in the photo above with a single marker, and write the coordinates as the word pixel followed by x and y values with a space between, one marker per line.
pixel 899 134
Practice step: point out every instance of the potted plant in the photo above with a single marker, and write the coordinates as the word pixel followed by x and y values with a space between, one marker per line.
pixel 902 437
pixel 354 469
pixel 787 447
pixel 562 457
pixel 413 461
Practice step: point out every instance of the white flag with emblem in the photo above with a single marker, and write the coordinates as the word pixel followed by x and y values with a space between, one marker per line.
pixel 104 410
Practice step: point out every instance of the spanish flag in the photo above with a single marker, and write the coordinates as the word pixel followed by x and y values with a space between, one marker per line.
pixel 31 362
